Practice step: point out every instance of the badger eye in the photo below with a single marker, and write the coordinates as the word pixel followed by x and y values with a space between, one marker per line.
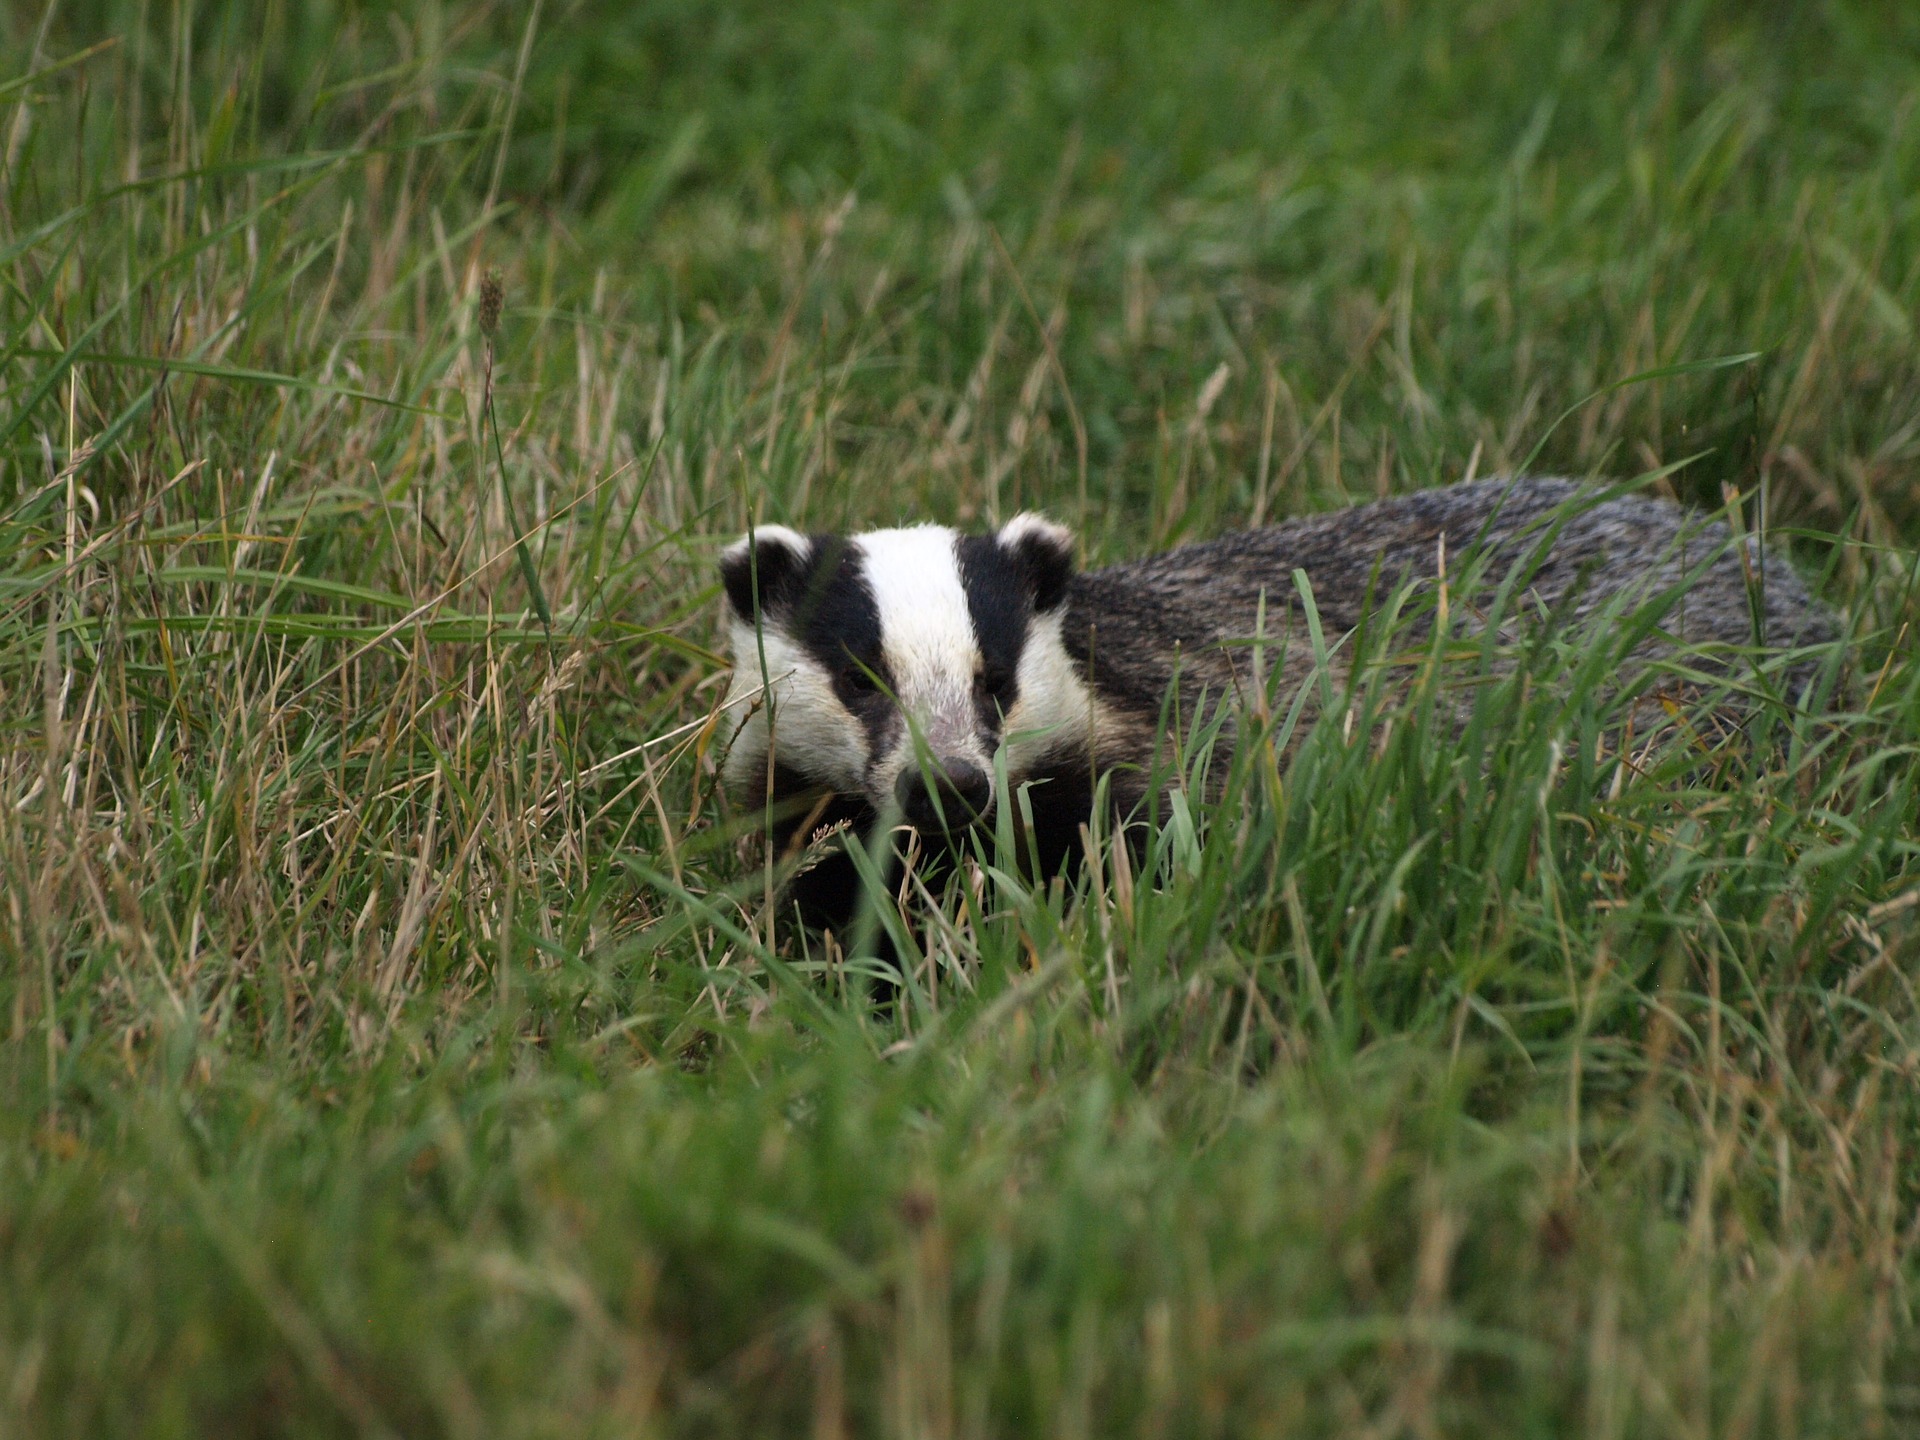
pixel 994 680
pixel 859 679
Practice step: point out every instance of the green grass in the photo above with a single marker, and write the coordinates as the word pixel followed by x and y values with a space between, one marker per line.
pixel 389 1040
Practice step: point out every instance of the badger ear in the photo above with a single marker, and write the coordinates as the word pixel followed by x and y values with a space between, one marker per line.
pixel 1042 550
pixel 771 557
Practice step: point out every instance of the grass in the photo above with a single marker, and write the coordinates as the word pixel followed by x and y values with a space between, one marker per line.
pixel 391 1040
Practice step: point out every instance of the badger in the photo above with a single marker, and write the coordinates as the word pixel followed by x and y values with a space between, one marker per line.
pixel 921 675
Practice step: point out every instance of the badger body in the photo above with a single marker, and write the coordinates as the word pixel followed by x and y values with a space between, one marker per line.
pixel 891 674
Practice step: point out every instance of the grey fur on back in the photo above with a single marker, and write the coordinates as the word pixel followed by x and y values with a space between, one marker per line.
pixel 1129 625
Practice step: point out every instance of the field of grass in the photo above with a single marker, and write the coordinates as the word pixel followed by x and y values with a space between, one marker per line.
pixel 394 1039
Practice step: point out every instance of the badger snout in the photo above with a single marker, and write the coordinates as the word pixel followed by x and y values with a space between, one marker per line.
pixel 950 794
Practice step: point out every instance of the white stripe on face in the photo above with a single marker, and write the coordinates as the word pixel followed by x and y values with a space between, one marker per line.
pixel 926 639
pixel 1055 713
pixel 812 731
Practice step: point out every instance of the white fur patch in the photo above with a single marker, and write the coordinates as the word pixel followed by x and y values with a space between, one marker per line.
pixel 927 640
pixel 1055 712
pixel 813 732
pixel 926 631
pixel 1031 524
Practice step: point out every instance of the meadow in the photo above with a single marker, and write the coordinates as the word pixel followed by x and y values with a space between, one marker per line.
pixel 395 1037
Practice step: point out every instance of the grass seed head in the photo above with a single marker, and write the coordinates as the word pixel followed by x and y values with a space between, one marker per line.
pixel 492 296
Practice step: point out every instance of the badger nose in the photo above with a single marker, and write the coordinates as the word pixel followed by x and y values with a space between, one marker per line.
pixel 951 795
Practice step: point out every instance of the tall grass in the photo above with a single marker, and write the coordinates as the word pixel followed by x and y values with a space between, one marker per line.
pixel 396 1036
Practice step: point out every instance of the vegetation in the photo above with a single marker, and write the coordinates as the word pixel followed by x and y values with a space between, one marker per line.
pixel 391 1041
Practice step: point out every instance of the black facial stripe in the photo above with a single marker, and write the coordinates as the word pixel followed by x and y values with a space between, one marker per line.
pixel 835 613
pixel 837 622
pixel 998 605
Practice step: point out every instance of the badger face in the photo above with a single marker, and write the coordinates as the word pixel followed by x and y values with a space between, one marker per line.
pixel 892 666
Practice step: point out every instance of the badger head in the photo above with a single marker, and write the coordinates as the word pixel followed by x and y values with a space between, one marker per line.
pixel 897 663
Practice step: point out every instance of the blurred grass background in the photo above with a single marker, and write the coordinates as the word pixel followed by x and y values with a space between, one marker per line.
pixel 390 1040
